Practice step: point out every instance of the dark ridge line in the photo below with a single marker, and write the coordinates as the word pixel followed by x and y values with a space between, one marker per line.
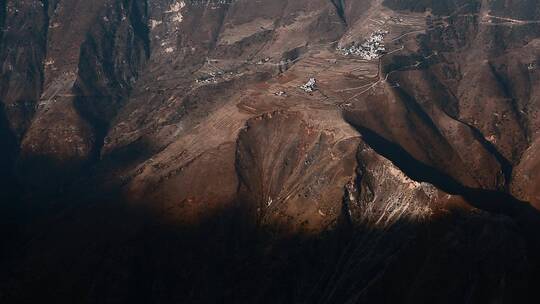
pixel 506 166
pixel 136 17
pixel 340 9
pixel 491 201
pixel 45 51
pixel 508 93
pixel 137 12
pixel 222 17
pixel 414 107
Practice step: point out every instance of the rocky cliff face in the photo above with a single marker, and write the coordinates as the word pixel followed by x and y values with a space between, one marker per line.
pixel 171 151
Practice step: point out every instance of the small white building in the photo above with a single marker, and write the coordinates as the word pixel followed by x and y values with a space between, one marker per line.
pixel 310 86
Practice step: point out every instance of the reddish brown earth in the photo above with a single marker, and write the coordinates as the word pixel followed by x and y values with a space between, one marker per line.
pixel 164 152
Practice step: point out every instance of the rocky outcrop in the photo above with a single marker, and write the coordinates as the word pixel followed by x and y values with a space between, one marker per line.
pixel 293 173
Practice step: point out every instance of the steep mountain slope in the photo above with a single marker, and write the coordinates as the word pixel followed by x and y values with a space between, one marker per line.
pixel 270 151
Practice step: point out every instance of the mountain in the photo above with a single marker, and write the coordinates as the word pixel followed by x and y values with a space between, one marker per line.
pixel 269 151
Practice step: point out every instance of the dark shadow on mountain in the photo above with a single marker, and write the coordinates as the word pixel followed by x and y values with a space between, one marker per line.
pixel 102 250
pixel 9 187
